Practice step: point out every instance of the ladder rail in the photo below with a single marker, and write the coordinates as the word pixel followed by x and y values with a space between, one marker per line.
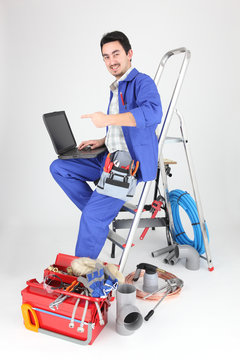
pixel 134 225
pixel 161 138
pixel 195 189
pixel 163 127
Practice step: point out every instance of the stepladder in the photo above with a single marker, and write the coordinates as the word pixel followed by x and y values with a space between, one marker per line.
pixel 164 171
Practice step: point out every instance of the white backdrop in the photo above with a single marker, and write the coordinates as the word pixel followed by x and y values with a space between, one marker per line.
pixel 50 60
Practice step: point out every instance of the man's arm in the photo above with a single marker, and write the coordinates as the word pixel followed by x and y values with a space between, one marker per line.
pixel 100 119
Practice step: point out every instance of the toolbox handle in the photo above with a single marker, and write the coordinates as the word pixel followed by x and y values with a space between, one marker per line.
pixel 34 283
pixel 74 340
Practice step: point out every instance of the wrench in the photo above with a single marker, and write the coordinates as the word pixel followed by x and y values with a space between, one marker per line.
pixel 63 297
pixel 57 301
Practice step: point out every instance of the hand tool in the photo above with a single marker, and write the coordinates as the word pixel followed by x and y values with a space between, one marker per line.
pixel 132 169
pixel 149 269
pixel 150 278
pixel 63 297
pixel 131 165
pixel 135 169
pixel 151 312
pixel 108 163
pixel 155 207
pixel 173 284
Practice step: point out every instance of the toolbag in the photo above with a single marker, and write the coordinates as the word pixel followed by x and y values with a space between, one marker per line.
pixel 118 178
pixel 83 326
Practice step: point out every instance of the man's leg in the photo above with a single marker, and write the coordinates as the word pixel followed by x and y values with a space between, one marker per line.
pixel 98 210
pixel 72 174
pixel 94 225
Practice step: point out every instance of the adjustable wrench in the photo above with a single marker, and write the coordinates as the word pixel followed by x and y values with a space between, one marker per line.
pixel 63 297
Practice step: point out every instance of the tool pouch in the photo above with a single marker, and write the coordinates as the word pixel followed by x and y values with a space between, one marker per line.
pixel 118 183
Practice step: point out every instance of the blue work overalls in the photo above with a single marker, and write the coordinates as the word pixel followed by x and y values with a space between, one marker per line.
pixel 141 98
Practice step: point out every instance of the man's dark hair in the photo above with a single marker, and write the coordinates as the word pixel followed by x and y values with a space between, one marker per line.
pixel 116 36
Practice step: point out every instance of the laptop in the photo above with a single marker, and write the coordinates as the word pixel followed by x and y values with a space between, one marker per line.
pixel 63 140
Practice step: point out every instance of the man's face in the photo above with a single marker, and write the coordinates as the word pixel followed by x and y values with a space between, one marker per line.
pixel 116 59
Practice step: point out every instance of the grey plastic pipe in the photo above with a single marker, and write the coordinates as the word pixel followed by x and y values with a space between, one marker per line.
pixel 173 260
pixel 169 256
pixel 129 318
pixel 190 254
pixel 163 250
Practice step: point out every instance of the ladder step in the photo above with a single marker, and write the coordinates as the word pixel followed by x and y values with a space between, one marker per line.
pixel 169 162
pixel 143 223
pixel 116 239
pixel 129 207
pixel 172 139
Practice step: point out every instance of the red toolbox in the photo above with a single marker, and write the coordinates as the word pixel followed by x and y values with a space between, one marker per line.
pixel 82 327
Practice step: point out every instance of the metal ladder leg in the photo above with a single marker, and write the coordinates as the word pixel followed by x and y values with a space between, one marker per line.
pixel 134 225
pixel 195 190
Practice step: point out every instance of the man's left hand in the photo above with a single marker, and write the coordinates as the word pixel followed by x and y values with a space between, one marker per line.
pixel 99 119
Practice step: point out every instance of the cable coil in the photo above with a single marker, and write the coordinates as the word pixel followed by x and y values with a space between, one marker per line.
pixel 182 198
pixel 162 274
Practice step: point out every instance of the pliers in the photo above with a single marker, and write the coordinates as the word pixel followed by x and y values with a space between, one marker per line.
pixel 108 163
pixel 132 169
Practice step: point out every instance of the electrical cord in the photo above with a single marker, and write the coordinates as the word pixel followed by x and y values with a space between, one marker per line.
pixel 182 198
pixel 157 296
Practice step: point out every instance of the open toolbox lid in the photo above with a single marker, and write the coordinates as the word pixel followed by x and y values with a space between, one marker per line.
pixel 63 260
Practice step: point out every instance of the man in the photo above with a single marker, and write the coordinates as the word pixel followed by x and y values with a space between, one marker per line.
pixel 133 114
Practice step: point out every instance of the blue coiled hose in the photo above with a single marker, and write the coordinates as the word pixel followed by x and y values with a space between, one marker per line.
pixel 182 198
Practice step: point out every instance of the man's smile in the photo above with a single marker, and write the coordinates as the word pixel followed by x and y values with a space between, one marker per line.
pixel 115 67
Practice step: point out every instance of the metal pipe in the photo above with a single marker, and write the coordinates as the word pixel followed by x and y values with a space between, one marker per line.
pixel 169 257
pixel 163 250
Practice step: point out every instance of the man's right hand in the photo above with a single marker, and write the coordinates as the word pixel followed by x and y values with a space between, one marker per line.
pixel 93 143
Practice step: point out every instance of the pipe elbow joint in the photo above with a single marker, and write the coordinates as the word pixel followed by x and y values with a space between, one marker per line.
pixel 190 254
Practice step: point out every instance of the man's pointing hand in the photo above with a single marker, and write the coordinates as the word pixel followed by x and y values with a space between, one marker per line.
pixel 99 119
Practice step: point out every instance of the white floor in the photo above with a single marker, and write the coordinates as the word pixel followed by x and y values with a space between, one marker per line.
pixel 201 323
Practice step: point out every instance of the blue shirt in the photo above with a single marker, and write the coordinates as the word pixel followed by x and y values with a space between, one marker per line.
pixel 142 99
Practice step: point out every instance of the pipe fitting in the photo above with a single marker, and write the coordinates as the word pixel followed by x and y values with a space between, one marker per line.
pixel 129 317
pixel 190 254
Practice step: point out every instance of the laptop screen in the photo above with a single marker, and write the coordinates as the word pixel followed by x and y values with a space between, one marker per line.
pixel 60 132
